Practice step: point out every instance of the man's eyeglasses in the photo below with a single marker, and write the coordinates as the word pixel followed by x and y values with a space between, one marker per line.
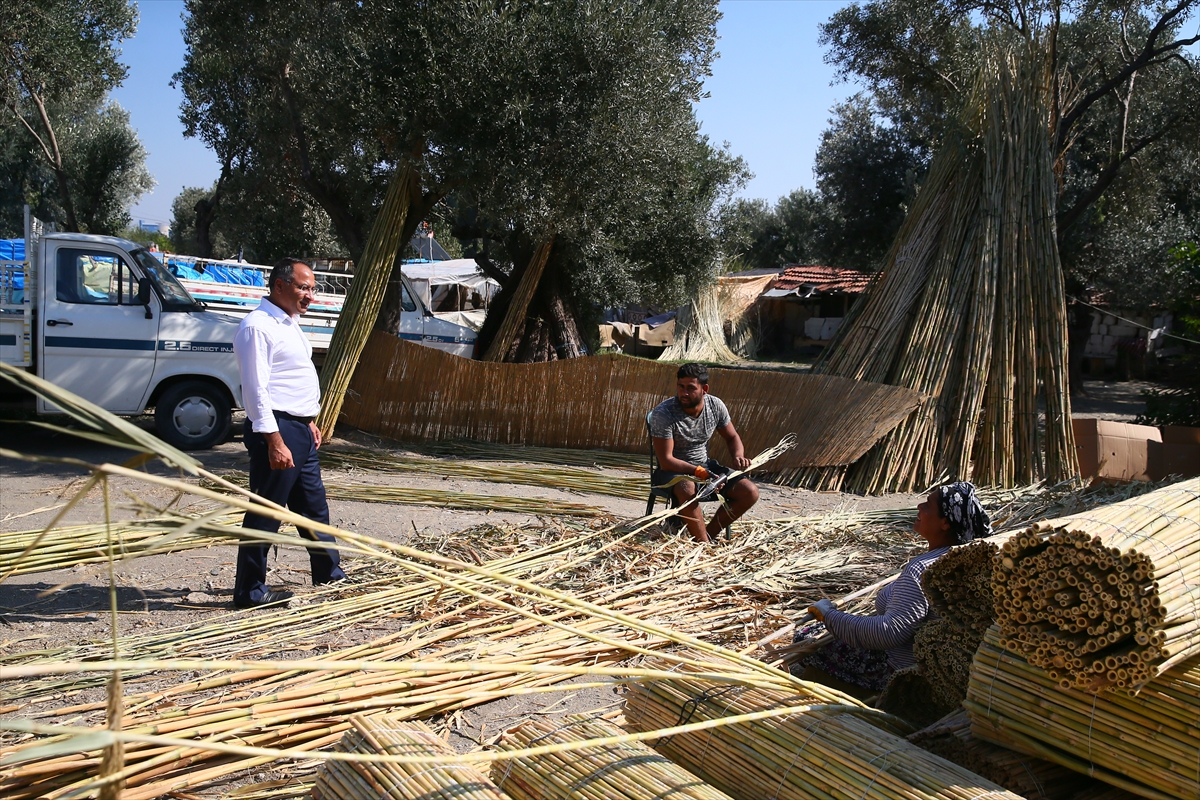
pixel 304 288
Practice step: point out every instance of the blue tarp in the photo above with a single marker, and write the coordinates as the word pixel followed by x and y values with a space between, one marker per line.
pixel 12 249
pixel 218 273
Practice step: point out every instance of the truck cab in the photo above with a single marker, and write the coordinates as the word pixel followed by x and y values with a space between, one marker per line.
pixel 114 326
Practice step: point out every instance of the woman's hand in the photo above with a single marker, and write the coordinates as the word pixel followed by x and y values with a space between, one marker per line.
pixel 821 608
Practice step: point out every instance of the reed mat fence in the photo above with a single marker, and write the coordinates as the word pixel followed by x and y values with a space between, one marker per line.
pixel 1147 744
pixel 824 747
pixel 1030 777
pixel 1108 597
pixel 592 481
pixel 621 771
pixel 969 308
pixel 407 392
pixel 350 780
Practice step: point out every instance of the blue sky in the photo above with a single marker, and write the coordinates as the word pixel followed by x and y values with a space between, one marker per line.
pixel 770 97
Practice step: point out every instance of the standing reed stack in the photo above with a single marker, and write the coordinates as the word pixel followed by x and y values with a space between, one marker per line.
pixel 621 771
pixel 1147 743
pixel 969 306
pixel 819 750
pixel 382 735
pixel 1032 778
pixel 1106 598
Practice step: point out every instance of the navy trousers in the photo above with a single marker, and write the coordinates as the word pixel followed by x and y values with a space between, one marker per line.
pixel 301 490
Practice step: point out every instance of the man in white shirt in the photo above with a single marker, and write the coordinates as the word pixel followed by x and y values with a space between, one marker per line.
pixel 282 397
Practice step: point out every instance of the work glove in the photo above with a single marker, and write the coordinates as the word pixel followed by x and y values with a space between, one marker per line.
pixel 701 473
pixel 822 607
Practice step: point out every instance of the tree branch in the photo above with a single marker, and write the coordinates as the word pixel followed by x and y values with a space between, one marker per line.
pixel 1071 216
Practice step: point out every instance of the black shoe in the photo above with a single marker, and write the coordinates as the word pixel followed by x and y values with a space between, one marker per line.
pixel 270 597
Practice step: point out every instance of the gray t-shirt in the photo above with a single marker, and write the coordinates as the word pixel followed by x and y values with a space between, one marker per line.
pixel 668 420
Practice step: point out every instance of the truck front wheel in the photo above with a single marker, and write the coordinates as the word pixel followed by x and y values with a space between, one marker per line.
pixel 192 416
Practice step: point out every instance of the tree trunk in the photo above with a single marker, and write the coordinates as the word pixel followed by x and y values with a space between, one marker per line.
pixel 517 312
pixel 549 332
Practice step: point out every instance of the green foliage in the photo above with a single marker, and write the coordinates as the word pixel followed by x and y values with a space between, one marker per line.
pixel 147 237
pixel 528 118
pixel 1177 406
pixel 1125 114
pixel 58 61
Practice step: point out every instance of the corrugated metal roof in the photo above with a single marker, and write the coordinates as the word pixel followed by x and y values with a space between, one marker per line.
pixel 823 280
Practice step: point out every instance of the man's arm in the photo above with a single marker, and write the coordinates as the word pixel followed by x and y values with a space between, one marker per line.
pixel 254 364
pixel 736 448
pixel 664 451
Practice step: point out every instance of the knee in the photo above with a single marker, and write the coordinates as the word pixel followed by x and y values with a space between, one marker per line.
pixel 748 492
pixel 685 490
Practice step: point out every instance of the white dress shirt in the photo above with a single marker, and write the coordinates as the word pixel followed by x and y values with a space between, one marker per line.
pixel 275 359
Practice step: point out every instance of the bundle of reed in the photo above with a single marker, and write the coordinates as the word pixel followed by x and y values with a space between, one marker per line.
pixel 357 780
pixel 444 498
pixel 829 745
pixel 700 331
pixel 969 306
pixel 564 456
pixel 24 552
pixel 959 586
pixel 1106 598
pixel 909 695
pixel 557 477
pixel 1147 743
pixel 620 771
pixel 507 337
pixel 944 651
pixel 365 297
pixel 1030 777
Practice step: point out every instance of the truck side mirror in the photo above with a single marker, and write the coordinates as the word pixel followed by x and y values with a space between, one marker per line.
pixel 143 295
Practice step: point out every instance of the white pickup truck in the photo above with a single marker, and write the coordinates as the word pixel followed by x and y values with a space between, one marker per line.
pixel 103 318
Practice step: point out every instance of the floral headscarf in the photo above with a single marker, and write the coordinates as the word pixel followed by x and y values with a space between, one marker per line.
pixel 958 503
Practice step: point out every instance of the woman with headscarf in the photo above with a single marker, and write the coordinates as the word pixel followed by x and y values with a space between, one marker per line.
pixel 869 648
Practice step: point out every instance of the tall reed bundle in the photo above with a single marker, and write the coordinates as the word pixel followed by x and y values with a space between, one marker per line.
pixel 356 780
pixel 622 771
pixel 700 331
pixel 557 477
pixel 831 746
pixel 514 316
pixel 835 419
pixel 969 308
pixel 24 552
pixel 1106 598
pixel 1030 777
pixel 365 297
pixel 1148 744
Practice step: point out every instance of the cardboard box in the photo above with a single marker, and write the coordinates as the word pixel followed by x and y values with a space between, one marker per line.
pixel 1173 459
pixel 1115 451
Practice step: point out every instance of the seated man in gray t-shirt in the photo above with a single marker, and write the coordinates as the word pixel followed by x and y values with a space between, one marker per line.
pixel 680 428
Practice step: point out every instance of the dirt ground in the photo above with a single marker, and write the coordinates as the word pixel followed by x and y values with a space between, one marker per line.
pixel 50 609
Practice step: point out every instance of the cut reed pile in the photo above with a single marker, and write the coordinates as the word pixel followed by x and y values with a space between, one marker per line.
pixel 592 481
pixel 835 419
pixel 828 745
pixel 969 307
pixel 351 780
pixel 1148 744
pixel 24 552
pixel 1108 597
pixel 446 498
pixel 1030 777
pixel 620 771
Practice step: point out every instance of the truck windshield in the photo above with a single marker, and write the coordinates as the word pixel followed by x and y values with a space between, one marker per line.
pixel 174 296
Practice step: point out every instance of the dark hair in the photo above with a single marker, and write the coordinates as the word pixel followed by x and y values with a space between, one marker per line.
pixel 694 370
pixel 282 271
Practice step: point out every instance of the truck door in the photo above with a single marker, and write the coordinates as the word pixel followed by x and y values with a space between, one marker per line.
pixel 95 338
pixel 412 316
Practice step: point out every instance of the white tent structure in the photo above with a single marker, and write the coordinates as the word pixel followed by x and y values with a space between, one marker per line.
pixel 438 284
